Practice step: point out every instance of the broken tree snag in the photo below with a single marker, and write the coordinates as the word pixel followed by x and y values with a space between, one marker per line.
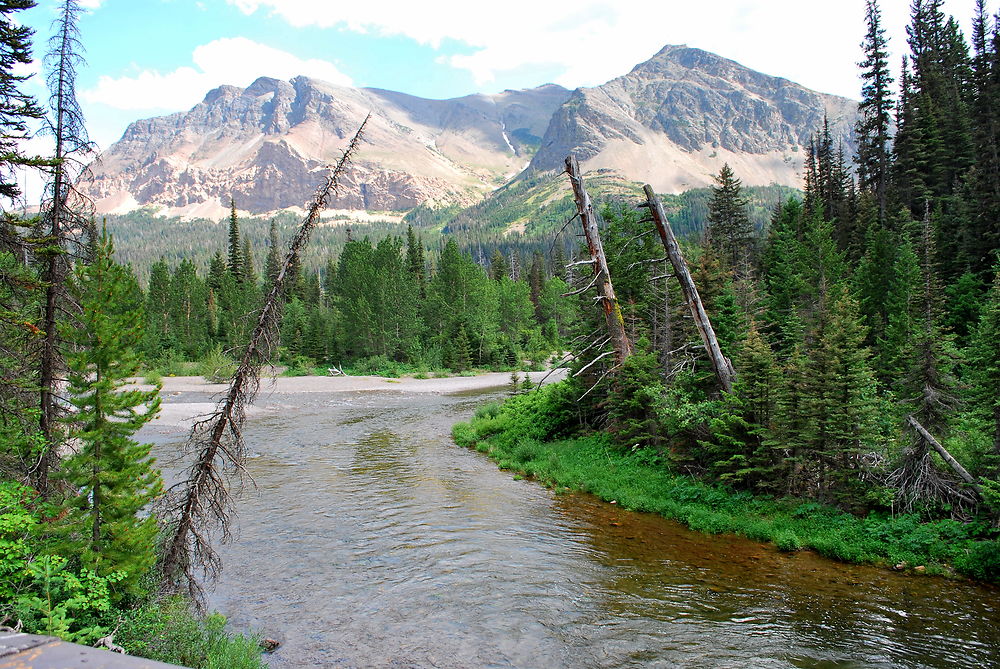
pixel 602 277
pixel 945 455
pixel 721 365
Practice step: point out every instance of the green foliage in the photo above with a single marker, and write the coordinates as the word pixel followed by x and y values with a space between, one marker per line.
pixel 523 434
pixel 730 232
pixel 111 476
pixel 75 606
pixel 215 366
pixel 167 631
pixel 18 522
pixel 634 399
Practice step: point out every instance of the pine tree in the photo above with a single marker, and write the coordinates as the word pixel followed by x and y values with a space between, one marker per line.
pixel 65 217
pixel 739 450
pixel 536 277
pixel 249 265
pixel 17 108
pixel 498 265
pixel 983 237
pixel 984 377
pixel 460 352
pixel 157 333
pixel 235 264
pixel 634 398
pixel 273 261
pixel 875 112
pixel 415 260
pixel 934 138
pixel 930 383
pixel 112 475
pixel 729 230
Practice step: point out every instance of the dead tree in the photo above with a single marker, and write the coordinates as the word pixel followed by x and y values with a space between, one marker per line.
pixel 721 365
pixel 918 481
pixel 602 277
pixel 64 213
pixel 201 503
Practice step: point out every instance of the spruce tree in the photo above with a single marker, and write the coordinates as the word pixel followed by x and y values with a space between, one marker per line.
pixel 729 230
pixel 415 260
pixel 235 262
pixel 983 373
pixel 17 108
pixel 273 262
pixel 498 265
pixel 983 237
pixel 875 112
pixel 111 475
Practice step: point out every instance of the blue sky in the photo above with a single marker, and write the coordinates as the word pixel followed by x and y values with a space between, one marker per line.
pixel 150 57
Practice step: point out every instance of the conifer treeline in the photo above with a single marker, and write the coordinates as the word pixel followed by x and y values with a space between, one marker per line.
pixel 377 305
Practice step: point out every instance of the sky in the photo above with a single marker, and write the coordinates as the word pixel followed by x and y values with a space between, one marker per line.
pixel 152 57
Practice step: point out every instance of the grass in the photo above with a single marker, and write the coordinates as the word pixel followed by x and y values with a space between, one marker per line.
pixel 522 436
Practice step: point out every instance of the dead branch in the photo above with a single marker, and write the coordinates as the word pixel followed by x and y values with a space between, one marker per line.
pixel 945 455
pixel 580 291
pixel 593 362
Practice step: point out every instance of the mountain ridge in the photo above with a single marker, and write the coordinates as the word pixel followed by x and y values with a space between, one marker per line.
pixel 670 121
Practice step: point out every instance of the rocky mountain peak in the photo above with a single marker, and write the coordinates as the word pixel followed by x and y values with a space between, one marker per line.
pixel 674 119
pixel 671 121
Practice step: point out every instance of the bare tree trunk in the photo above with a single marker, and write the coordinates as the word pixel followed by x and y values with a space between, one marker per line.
pixel 721 365
pixel 612 311
pixel 203 502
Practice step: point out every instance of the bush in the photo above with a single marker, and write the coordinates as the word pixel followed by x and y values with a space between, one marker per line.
pixel 787 541
pixel 981 561
pixel 216 366
pixel 168 631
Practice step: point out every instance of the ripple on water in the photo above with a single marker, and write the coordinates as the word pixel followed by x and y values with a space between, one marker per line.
pixel 372 540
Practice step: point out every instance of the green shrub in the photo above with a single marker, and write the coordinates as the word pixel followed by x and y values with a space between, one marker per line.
pixel 168 631
pixel 981 561
pixel 216 366
pixel 787 541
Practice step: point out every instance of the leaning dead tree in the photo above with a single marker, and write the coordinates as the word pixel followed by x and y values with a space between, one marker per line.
pixel 918 481
pixel 621 346
pixel 721 365
pixel 201 503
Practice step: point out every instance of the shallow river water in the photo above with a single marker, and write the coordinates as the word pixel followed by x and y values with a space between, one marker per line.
pixel 372 540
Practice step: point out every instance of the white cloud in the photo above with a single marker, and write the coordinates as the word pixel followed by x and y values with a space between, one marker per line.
pixel 237 61
pixel 91 4
pixel 591 41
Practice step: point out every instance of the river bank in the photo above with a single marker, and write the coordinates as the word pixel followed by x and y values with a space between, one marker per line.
pixel 181 414
pixel 516 436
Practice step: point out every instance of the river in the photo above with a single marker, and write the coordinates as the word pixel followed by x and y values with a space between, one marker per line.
pixel 372 540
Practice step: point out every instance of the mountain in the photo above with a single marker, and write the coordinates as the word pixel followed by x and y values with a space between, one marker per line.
pixel 268 144
pixel 675 119
pixel 671 122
